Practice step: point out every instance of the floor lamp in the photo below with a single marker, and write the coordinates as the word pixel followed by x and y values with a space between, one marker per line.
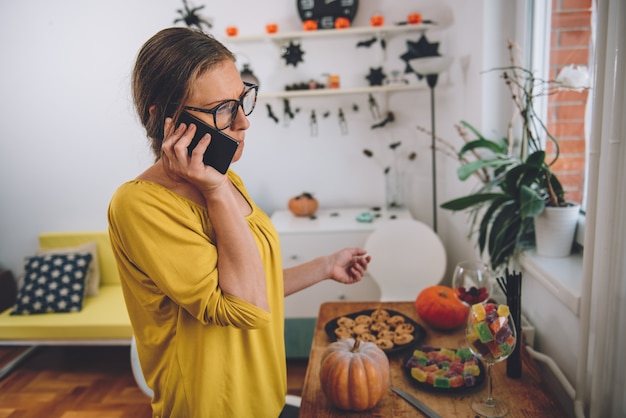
pixel 431 67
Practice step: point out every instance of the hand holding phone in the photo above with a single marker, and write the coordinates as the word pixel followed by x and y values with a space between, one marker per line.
pixel 221 150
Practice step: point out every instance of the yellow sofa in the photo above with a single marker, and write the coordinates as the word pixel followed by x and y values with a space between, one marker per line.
pixel 103 319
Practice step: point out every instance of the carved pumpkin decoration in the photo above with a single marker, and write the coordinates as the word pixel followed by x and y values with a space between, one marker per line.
pixel 354 375
pixel 377 21
pixel 303 205
pixel 271 28
pixel 414 18
pixel 440 308
pixel 342 23
pixel 232 31
pixel 309 25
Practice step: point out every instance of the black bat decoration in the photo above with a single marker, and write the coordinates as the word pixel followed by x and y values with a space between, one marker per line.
pixel 366 43
pixel 390 118
pixel 270 113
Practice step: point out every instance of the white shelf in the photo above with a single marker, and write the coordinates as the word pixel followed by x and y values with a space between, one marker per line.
pixel 324 33
pixel 341 91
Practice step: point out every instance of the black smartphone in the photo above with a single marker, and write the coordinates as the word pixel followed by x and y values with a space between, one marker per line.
pixel 220 151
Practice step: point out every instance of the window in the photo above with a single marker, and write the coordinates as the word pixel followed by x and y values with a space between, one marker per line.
pixel 568 25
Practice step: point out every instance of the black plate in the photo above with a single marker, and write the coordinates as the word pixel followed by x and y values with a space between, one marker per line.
pixel 480 379
pixel 418 334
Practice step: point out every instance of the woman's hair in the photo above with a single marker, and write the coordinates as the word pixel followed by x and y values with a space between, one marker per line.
pixel 166 68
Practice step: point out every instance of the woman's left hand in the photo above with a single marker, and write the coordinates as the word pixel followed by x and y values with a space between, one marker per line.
pixel 348 265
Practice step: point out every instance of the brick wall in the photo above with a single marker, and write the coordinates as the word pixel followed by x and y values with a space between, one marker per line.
pixel 570 44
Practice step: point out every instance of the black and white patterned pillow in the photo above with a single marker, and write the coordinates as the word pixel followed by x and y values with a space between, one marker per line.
pixel 53 283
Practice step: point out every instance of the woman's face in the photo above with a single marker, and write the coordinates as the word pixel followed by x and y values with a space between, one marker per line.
pixel 215 86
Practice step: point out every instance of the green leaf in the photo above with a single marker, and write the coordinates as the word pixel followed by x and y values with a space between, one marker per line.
pixel 486 221
pixel 466 170
pixel 474 130
pixel 468 201
pixel 503 236
pixel 531 204
pixel 536 159
pixel 494 147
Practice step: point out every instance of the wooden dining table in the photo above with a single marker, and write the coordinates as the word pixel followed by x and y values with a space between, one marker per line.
pixel 526 396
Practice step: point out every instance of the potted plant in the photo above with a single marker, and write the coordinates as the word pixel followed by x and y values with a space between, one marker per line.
pixel 517 181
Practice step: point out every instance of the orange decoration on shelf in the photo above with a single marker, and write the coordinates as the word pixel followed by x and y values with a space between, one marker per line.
pixel 232 31
pixel 414 18
pixel 271 28
pixel 303 205
pixel 342 23
pixel 309 25
pixel 440 308
pixel 377 20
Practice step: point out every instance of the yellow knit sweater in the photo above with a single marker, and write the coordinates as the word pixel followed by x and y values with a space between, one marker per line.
pixel 204 353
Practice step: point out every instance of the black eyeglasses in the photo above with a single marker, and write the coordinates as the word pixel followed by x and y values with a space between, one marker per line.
pixel 225 113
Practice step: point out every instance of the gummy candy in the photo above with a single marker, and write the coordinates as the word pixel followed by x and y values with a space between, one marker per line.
pixel 503 310
pixel 479 311
pixel 441 382
pixel 483 331
pixel 418 374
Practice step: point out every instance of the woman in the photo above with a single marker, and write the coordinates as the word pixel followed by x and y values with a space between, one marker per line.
pixel 199 262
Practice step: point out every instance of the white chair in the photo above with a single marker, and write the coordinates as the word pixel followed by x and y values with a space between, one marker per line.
pixel 141 382
pixel 136 367
pixel 407 256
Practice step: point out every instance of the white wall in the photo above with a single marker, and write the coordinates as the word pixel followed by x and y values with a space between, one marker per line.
pixel 70 136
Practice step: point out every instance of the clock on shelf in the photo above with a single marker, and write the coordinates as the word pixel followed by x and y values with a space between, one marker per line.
pixel 325 12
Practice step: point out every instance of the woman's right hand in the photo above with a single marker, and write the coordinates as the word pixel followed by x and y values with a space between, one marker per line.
pixel 179 165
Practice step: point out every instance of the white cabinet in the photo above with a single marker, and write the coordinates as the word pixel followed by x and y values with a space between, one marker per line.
pixel 303 239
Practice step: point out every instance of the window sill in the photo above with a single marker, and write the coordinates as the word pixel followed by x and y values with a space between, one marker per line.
pixel 561 276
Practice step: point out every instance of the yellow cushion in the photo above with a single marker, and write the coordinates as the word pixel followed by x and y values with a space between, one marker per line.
pixel 102 317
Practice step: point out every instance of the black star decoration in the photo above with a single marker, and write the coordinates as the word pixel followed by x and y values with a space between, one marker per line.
pixel 376 76
pixel 292 54
pixel 419 49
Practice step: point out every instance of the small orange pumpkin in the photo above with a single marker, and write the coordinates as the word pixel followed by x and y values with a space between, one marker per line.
pixel 309 25
pixel 354 375
pixel 440 308
pixel 342 23
pixel 232 31
pixel 414 18
pixel 271 28
pixel 303 205
pixel 377 20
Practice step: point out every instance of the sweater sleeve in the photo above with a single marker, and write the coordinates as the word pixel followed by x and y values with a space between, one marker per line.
pixel 165 248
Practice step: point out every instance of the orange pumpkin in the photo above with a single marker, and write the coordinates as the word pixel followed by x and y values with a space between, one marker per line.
pixel 271 28
pixel 440 309
pixel 377 20
pixel 309 25
pixel 414 18
pixel 303 205
pixel 232 31
pixel 342 23
pixel 354 375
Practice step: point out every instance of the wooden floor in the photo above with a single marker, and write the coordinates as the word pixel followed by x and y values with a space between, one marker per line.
pixel 84 382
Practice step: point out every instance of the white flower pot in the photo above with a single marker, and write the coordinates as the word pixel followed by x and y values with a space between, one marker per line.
pixel 555 228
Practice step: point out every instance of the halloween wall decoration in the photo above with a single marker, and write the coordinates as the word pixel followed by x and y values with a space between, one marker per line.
pixel 247 75
pixel 287 112
pixel 388 119
pixel 326 12
pixel 191 18
pixel 367 43
pixel 376 76
pixel 292 54
pixel 374 109
pixel 313 123
pixel 343 125
pixel 270 113
pixel 419 49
